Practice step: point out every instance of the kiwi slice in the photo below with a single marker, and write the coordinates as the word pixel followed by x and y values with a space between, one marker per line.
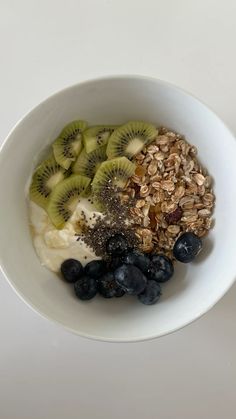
pixel 129 139
pixel 64 199
pixel 45 178
pixel 113 172
pixel 97 136
pixel 69 143
pixel 88 163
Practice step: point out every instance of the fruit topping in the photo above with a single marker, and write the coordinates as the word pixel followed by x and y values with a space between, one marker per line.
pixel 95 268
pixel 130 279
pixel 71 270
pixel 187 247
pixel 151 293
pixel 161 268
pixel 138 259
pixel 108 287
pixel 130 138
pixel 97 136
pixel 117 245
pixel 64 199
pixel 68 145
pixel 86 288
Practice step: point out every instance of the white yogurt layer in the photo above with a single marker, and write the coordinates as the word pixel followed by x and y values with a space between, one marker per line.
pixel 54 246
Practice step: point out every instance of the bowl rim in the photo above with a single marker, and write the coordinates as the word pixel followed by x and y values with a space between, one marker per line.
pixel 7 142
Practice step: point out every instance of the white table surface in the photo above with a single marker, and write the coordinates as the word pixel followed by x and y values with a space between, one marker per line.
pixel 46 372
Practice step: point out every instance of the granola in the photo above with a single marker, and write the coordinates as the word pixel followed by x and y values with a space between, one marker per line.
pixel 173 193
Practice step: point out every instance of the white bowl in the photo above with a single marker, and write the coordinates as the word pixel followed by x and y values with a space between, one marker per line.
pixel 196 287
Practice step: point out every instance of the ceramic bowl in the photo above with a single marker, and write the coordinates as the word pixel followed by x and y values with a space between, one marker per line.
pixel 196 287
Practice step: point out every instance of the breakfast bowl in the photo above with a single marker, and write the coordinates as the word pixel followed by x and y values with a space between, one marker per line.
pixel 196 287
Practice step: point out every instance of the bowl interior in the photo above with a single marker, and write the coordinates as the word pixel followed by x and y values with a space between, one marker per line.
pixel 196 287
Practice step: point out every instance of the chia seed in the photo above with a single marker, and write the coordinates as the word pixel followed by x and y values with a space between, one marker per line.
pixel 116 220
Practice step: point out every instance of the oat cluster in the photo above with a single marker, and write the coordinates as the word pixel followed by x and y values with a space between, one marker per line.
pixel 172 192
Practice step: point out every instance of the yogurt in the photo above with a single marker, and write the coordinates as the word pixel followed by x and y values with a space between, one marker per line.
pixel 54 246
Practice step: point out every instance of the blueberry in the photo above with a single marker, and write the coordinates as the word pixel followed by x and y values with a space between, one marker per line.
pixel 117 245
pixel 161 268
pixel 95 268
pixel 86 288
pixel 186 247
pixel 71 270
pixel 130 279
pixel 151 293
pixel 108 287
pixel 137 259
pixel 114 263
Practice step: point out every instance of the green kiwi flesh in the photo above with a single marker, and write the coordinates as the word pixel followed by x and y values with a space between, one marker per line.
pixel 68 145
pixel 113 172
pixel 97 136
pixel 130 138
pixel 44 180
pixel 64 199
pixel 88 163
